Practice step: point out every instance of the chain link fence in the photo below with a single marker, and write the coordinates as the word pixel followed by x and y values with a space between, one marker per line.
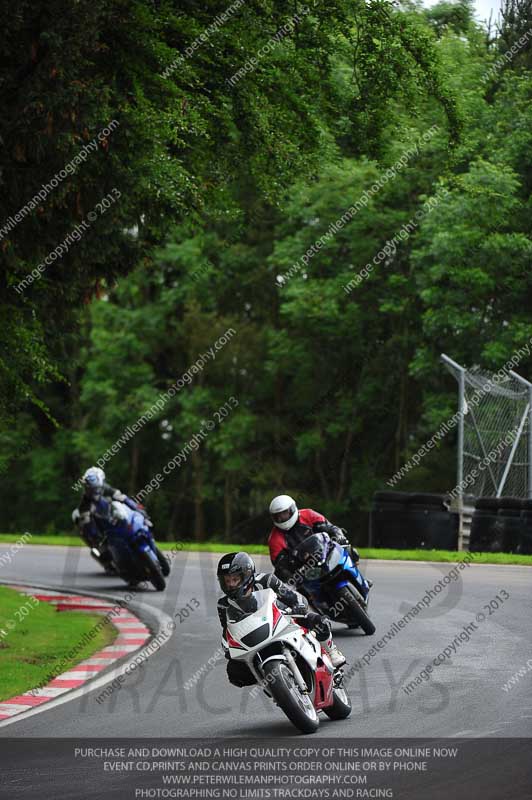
pixel 494 434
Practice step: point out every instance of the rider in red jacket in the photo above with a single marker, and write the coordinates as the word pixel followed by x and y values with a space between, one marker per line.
pixel 291 526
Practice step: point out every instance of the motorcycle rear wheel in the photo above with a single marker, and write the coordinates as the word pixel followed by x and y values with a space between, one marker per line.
pixel 354 612
pixel 298 707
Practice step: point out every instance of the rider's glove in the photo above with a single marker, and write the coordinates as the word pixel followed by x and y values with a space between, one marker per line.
pixel 282 566
pixel 337 534
pixel 340 538
pixel 300 608
pixel 314 619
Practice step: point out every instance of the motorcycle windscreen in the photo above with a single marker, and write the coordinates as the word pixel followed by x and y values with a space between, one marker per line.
pixel 336 556
pixel 238 610
pixel 245 606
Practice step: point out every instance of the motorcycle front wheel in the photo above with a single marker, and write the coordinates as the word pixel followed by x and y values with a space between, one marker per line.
pixel 297 706
pixel 353 611
pixel 341 707
pixel 163 561
pixel 155 575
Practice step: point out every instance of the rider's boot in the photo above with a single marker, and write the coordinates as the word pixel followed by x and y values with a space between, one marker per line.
pixel 337 658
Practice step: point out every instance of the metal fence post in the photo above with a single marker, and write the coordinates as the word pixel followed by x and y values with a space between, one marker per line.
pixel 460 463
pixel 461 403
pixel 529 447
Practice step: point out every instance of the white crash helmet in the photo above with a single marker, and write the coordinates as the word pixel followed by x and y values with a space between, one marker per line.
pixel 94 479
pixel 284 512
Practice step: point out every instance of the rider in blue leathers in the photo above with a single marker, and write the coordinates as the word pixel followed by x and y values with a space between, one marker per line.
pixel 91 515
pixel 94 510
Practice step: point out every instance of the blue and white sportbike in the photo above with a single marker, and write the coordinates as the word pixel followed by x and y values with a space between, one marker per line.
pixel 330 579
pixel 128 538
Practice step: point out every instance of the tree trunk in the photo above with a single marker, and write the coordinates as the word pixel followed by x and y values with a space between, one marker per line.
pixel 321 474
pixel 345 461
pixel 199 517
pixel 178 496
pixel 134 468
pixel 401 421
pixel 278 400
pixel 228 507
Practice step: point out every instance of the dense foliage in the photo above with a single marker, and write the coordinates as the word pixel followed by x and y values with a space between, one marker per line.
pixel 224 185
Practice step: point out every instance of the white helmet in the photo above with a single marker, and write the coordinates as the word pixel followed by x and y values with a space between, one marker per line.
pixel 94 479
pixel 284 512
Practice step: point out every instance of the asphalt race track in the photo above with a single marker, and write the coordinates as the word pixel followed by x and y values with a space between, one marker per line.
pixel 464 697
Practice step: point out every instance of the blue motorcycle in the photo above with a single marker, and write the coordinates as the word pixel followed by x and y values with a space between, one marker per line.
pixel 330 579
pixel 128 538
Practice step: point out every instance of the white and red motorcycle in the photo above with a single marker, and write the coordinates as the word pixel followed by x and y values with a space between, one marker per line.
pixel 286 660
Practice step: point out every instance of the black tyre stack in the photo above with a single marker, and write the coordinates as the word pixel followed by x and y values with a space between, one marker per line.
pixel 526 531
pixel 510 516
pixel 502 525
pixel 406 520
pixel 486 527
pixel 389 524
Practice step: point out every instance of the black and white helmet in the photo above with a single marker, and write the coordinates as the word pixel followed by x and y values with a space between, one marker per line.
pixel 236 574
pixel 284 512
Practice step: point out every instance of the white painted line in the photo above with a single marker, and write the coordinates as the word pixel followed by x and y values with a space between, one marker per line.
pixel 13 708
pixel 128 647
pixel 125 625
pixel 78 600
pixel 47 691
pixel 76 675
pixel 102 660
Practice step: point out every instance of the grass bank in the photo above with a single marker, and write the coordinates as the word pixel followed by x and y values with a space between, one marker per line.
pixel 449 556
pixel 36 641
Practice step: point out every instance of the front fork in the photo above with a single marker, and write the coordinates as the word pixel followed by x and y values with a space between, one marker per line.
pixel 296 672
pixel 301 683
pixel 144 545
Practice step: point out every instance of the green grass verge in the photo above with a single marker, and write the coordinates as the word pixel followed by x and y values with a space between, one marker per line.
pixel 56 538
pixel 450 556
pixel 41 644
